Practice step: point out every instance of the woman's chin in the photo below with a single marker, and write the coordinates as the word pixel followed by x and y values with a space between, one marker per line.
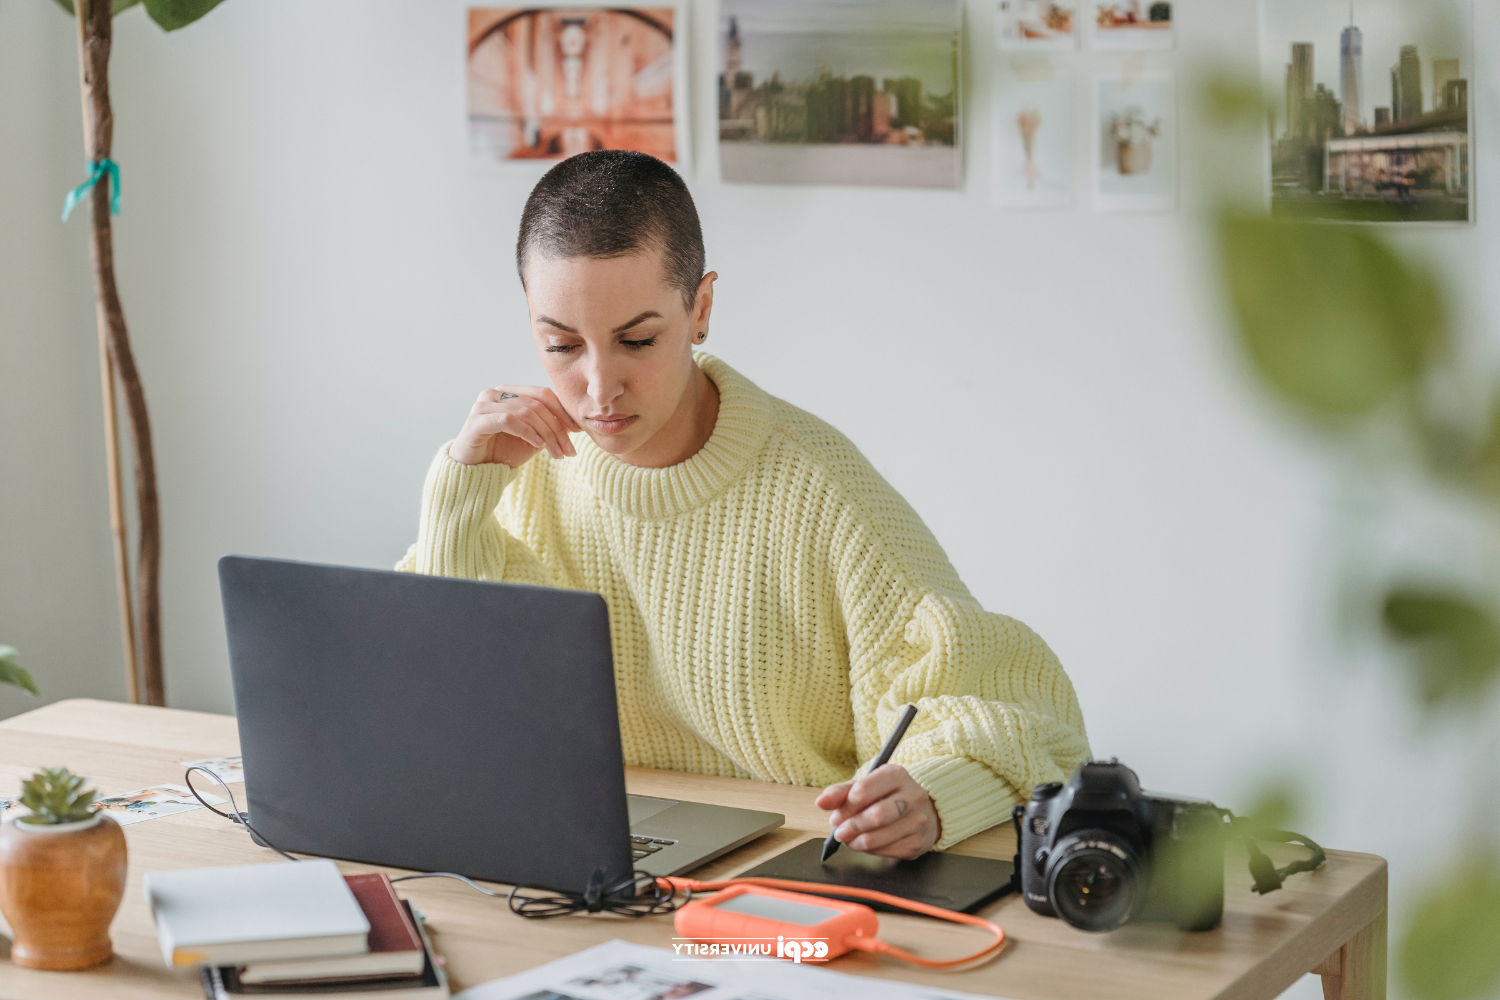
pixel 618 445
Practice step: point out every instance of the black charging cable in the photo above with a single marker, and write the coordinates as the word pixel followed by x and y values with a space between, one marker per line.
pixel 242 818
pixel 626 898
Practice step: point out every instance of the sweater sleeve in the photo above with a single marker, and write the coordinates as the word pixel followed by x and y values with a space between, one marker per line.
pixel 459 534
pixel 996 713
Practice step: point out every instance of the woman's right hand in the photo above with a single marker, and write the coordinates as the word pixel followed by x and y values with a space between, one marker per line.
pixel 510 423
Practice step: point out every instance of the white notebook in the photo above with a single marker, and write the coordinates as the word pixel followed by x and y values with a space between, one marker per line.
pixel 255 913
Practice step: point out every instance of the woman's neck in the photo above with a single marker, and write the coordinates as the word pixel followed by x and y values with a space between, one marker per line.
pixel 687 432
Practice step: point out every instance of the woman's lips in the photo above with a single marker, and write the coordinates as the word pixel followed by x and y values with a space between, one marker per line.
pixel 609 425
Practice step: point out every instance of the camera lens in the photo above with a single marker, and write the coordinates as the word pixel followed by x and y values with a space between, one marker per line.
pixel 1093 880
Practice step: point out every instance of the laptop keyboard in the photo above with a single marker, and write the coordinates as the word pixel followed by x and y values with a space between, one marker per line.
pixel 640 847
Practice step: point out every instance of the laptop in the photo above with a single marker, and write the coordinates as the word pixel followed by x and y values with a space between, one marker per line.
pixel 436 724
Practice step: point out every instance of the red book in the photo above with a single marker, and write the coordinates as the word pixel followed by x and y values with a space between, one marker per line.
pixel 395 945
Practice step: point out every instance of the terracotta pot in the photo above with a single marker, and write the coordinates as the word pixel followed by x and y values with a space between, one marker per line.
pixel 1135 157
pixel 60 887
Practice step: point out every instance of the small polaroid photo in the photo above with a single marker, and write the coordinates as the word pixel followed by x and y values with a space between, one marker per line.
pixel 1135 142
pixel 151 803
pixel 1037 25
pixel 1133 25
pixel 11 808
pixel 1033 134
pixel 229 769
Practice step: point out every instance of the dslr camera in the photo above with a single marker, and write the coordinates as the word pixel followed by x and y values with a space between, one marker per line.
pixel 1097 852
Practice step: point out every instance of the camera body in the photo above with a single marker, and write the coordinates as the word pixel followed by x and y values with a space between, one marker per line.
pixel 1097 852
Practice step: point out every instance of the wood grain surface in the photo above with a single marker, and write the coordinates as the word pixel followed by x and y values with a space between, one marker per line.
pixel 1264 945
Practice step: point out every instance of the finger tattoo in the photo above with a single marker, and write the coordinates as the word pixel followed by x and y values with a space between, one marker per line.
pixel 509 395
pixel 901 807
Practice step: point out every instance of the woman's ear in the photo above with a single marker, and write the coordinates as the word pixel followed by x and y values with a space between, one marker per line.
pixel 703 306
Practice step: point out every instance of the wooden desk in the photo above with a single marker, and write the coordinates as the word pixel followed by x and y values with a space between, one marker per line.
pixel 1331 921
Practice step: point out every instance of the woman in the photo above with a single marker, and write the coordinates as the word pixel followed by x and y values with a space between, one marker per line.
pixel 773 602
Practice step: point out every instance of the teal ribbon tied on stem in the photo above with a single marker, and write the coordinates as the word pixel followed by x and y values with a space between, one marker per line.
pixel 96 171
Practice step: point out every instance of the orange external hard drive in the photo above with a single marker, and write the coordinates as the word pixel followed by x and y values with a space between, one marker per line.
pixel 753 920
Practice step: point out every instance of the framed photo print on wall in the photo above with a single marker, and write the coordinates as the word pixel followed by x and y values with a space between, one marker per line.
pixel 1036 25
pixel 547 82
pixel 1133 25
pixel 1135 142
pixel 1033 133
pixel 840 92
pixel 1373 109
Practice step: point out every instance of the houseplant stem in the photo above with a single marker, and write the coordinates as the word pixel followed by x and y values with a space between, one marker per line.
pixel 142 622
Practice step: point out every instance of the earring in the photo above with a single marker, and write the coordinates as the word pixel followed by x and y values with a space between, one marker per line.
pixel 702 336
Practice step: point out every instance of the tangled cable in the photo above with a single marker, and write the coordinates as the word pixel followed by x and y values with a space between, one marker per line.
pixel 639 894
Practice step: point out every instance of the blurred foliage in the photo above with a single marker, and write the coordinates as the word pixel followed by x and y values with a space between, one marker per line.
pixel 1452 949
pixel 1229 101
pixel 168 14
pixel 1276 807
pixel 1354 338
pixel 1330 317
pixel 1455 643
pixel 11 671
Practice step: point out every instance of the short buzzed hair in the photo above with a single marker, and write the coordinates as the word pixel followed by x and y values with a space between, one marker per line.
pixel 614 203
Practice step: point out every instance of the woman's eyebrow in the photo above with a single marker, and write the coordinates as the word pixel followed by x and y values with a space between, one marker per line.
pixel 561 326
pixel 649 314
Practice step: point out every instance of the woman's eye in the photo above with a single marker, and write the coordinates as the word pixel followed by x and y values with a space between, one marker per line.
pixel 560 348
pixel 637 344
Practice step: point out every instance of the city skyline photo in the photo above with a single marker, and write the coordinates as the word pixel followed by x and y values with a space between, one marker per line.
pixel 841 92
pixel 1370 109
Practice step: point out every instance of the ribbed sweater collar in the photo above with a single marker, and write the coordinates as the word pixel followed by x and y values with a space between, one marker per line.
pixel 743 424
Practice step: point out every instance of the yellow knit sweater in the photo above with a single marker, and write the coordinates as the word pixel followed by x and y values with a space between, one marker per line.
pixel 773 602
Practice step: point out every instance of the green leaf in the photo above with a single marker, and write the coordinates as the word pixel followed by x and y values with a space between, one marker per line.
pixel 1276 807
pixel 11 672
pixel 1231 100
pixel 1486 465
pixel 114 8
pixel 1449 952
pixel 1330 317
pixel 1455 642
pixel 174 14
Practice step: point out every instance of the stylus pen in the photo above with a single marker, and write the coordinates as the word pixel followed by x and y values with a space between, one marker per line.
pixel 907 714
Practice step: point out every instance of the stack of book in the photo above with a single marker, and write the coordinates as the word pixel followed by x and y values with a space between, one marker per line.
pixel 293 930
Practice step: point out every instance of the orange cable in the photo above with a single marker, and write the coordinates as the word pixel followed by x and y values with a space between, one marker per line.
pixel 865 944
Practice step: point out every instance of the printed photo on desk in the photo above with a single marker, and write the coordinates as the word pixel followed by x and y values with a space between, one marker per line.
pixel 1033 133
pixel 152 803
pixel 1134 25
pixel 1372 109
pixel 547 82
pixel 1135 142
pixel 839 92
pixel 1036 25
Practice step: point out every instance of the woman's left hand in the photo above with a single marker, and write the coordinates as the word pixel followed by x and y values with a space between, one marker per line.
pixel 885 813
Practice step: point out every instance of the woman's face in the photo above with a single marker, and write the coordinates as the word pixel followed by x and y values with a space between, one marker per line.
pixel 617 342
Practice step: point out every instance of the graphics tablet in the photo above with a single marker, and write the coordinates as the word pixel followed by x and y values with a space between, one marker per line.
pixel 952 881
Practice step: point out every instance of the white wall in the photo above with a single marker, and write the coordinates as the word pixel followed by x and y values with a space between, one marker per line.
pixel 318 284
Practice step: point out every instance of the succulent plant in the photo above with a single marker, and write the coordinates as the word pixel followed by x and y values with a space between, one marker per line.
pixel 56 795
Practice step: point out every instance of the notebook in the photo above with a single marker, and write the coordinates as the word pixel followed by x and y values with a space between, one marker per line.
pixel 395 945
pixel 225 984
pixel 255 913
